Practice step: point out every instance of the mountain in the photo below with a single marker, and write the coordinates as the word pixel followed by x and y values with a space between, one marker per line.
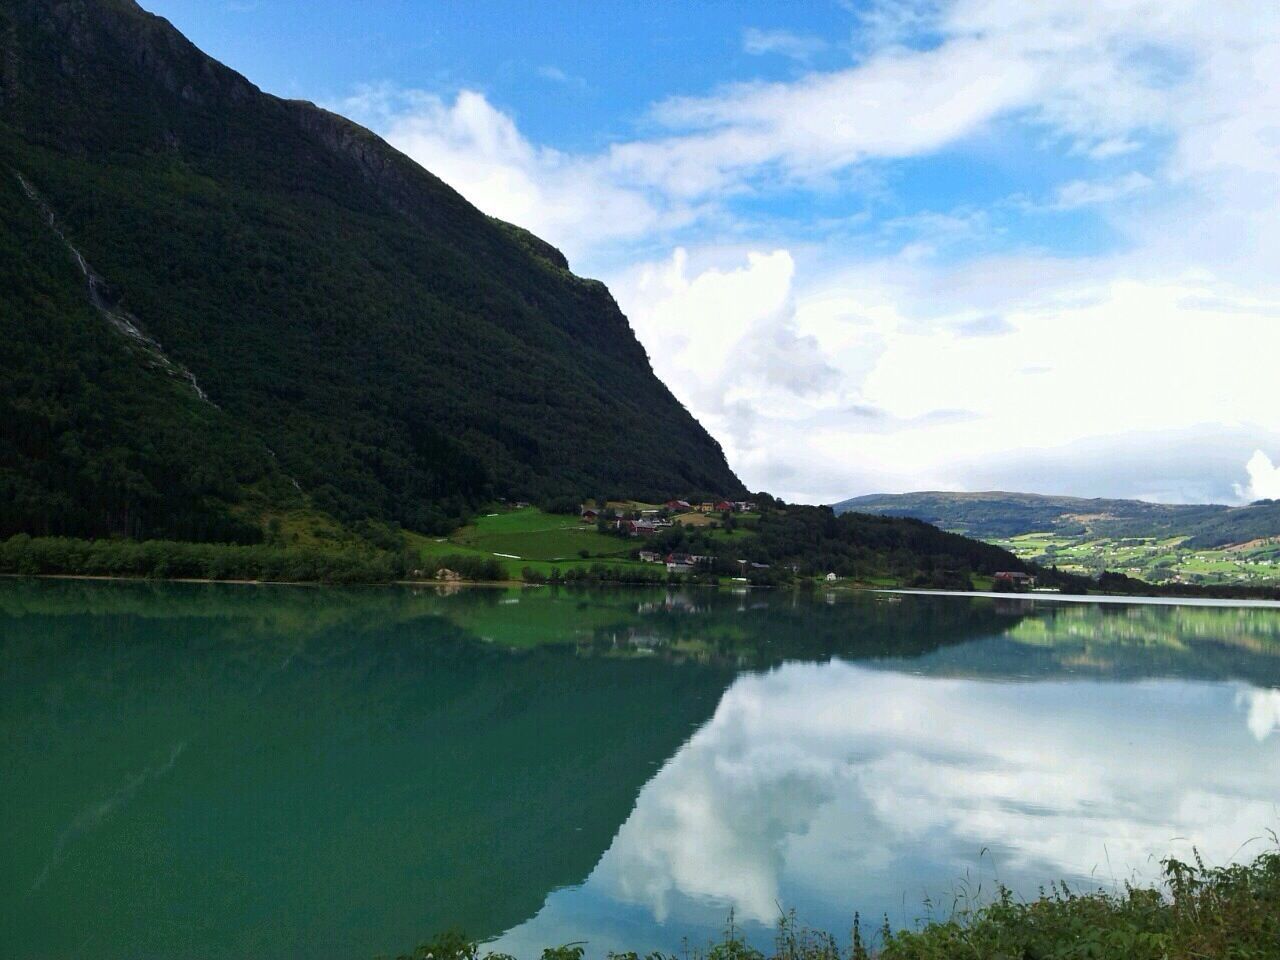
pixel 218 304
pixel 1000 515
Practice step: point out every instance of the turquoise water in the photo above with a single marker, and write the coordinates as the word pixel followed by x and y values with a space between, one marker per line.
pixel 228 771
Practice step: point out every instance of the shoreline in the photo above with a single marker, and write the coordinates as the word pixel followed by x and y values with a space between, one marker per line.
pixel 241 581
pixel 1107 598
pixel 1113 598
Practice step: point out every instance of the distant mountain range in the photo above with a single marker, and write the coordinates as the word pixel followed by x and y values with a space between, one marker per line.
pixel 999 515
pixel 217 304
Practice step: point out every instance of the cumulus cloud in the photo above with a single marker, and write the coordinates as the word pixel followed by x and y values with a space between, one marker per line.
pixel 725 338
pixel 781 338
pixel 479 150
pixel 1264 711
pixel 1264 479
pixel 961 402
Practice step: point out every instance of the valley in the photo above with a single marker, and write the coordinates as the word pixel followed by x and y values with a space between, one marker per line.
pixel 1158 560
pixel 1197 544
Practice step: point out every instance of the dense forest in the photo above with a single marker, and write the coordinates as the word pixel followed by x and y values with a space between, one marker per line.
pixel 216 302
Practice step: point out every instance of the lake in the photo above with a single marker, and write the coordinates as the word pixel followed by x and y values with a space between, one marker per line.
pixel 227 771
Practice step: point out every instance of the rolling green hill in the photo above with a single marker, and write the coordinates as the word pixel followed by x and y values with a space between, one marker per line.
pixel 1192 543
pixel 997 514
pixel 217 304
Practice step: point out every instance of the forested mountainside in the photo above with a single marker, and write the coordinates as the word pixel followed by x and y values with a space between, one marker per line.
pixel 214 302
pixel 998 515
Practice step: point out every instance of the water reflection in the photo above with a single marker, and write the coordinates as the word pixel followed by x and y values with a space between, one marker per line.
pixel 223 771
pixel 839 786
pixel 1264 711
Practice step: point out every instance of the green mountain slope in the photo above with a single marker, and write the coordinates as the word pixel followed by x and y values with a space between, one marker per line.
pixel 359 334
pixel 995 515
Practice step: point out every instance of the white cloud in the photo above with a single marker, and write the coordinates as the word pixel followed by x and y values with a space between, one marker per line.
pixel 826 122
pixel 829 369
pixel 889 386
pixel 1264 711
pixel 796 46
pixel 1082 193
pixel 1115 147
pixel 1264 479
pixel 554 73
pixel 725 339
pixel 477 149
pixel 1105 76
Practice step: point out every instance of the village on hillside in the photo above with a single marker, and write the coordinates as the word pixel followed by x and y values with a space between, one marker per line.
pixel 646 521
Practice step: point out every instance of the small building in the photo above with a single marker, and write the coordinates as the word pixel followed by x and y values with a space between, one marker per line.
pixel 707 506
pixel 722 506
pixel 639 528
pixel 589 515
pixel 650 556
pixel 831 578
pixel 679 567
pixel 678 506
pixel 1013 580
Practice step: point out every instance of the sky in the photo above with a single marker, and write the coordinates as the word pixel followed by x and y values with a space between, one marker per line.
pixel 874 246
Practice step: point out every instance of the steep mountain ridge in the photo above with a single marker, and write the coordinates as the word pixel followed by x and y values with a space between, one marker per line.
pixel 358 327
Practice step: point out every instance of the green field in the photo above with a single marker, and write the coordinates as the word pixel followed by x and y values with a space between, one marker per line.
pixel 529 537
pixel 1158 560
pixel 531 534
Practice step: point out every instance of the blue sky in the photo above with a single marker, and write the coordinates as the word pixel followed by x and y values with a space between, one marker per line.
pixel 577 74
pixel 951 244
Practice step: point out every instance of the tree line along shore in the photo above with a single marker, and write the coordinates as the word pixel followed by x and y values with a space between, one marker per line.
pixel 779 545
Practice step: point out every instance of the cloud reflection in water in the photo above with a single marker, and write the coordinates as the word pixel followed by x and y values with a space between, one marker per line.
pixel 834 787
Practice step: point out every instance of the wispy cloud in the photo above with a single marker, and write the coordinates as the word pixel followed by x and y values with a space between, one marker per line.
pixel 556 75
pixel 987 326
pixel 783 42
pixel 1083 193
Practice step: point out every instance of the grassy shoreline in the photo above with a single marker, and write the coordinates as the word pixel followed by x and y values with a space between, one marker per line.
pixel 1197 912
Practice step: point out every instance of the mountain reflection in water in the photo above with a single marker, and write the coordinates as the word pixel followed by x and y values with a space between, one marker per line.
pixel 220 771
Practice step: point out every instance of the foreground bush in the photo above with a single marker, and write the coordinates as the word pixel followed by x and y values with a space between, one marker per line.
pixel 1222 913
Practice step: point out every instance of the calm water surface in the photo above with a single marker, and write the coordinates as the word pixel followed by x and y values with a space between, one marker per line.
pixel 228 771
